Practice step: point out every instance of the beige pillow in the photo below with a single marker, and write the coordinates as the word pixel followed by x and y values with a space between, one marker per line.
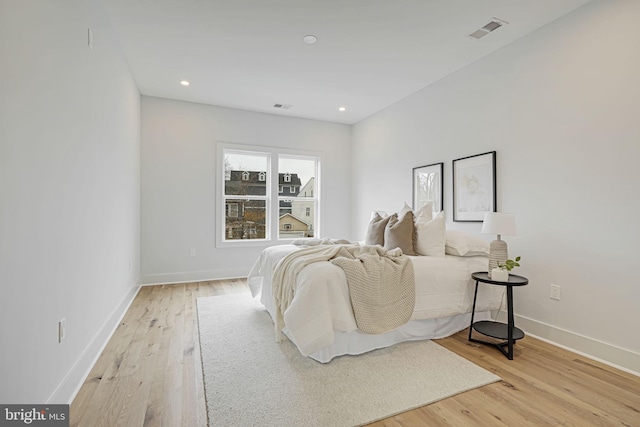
pixel 430 236
pixel 402 212
pixel 400 233
pixel 375 232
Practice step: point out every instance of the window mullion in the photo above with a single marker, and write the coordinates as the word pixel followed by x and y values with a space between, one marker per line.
pixel 274 204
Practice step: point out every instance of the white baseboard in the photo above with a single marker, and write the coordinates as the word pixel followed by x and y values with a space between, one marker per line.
pixel 71 383
pixel 609 354
pixel 192 276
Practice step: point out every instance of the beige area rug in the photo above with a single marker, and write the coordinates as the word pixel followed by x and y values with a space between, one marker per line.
pixel 250 380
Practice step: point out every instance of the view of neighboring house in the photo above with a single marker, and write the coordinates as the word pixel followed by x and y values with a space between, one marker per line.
pixel 290 226
pixel 304 209
pixel 245 218
pixel 288 185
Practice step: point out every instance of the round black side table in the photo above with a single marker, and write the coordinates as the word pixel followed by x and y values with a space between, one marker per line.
pixel 498 330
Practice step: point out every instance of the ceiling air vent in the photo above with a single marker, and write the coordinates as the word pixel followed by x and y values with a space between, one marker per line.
pixel 283 106
pixel 491 26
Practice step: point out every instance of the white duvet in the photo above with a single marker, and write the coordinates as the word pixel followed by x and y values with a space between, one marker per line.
pixel 321 305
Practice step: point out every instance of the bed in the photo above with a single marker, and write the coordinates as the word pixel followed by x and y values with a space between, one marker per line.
pixel 320 320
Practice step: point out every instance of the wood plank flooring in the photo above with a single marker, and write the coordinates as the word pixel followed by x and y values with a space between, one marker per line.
pixel 150 374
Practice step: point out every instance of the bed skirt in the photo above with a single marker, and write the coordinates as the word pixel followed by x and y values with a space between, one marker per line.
pixel 356 342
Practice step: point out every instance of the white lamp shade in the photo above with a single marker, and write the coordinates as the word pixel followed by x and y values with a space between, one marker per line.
pixel 500 223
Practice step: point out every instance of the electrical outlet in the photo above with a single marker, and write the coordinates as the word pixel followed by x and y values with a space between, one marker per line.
pixel 554 292
pixel 192 252
pixel 62 330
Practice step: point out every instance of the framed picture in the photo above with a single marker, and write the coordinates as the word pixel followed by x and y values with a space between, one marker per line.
pixel 474 187
pixel 427 186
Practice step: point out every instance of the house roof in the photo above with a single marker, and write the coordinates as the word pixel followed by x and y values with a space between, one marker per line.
pixel 295 180
pixel 253 186
pixel 295 218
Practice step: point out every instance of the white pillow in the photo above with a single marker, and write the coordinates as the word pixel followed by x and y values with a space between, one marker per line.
pixel 464 244
pixel 424 213
pixel 430 235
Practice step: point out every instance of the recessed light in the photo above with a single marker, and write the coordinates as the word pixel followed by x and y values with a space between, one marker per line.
pixel 310 39
pixel 184 83
pixel 342 108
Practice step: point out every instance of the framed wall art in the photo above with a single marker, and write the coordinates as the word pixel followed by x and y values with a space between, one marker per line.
pixel 474 187
pixel 428 186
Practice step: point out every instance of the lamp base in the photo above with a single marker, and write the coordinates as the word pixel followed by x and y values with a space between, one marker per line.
pixel 497 254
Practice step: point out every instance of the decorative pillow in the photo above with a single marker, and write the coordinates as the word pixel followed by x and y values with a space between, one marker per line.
pixel 402 212
pixel 400 233
pixel 383 214
pixel 375 232
pixel 424 213
pixel 430 235
pixel 464 244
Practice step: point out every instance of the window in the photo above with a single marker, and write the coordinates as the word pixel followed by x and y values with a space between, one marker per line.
pixel 255 202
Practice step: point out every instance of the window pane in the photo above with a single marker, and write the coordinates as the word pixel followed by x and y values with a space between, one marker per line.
pixel 245 219
pixel 285 206
pixel 245 174
pixel 297 218
pixel 296 177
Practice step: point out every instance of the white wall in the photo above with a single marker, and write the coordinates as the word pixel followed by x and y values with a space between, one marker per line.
pixel 560 107
pixel 179 178
pixel 69 194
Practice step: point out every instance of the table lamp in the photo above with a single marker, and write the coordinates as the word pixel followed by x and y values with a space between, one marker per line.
pixel 498 223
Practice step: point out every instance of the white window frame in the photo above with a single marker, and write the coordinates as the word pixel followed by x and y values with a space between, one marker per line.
pixel 272 185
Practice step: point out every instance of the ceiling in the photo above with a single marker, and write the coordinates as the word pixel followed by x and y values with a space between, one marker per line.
pixel 250 54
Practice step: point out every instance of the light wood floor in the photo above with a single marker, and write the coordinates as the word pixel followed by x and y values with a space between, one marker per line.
pixel 150 374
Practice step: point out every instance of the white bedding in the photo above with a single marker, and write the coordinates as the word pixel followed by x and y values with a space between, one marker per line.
pixel 320 320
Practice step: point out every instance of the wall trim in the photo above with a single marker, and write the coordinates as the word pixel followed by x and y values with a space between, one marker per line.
pixel 193 276
pixel 609 354
pixel 75 378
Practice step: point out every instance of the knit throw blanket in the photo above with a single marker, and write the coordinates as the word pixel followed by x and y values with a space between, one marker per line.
pixel 381 284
